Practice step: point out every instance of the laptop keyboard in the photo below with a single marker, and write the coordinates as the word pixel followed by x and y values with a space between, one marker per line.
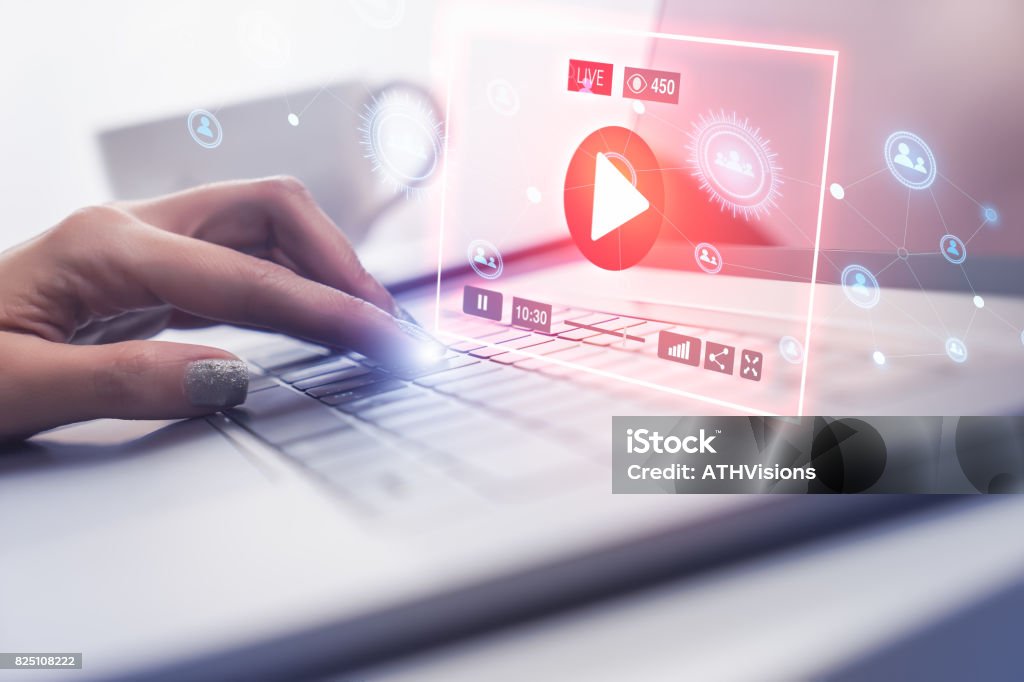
pixel 476 427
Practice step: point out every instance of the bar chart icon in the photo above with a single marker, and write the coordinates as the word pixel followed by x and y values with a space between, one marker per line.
pixel 679 348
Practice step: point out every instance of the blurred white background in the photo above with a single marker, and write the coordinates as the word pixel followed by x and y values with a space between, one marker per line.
pixel 72 69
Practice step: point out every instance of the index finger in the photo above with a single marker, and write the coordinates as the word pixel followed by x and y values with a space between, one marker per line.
pixel 295 224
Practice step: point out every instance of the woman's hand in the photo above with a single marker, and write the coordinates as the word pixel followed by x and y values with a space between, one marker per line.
pixel 259 254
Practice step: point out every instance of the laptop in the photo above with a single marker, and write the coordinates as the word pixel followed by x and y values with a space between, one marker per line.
pixel 349 512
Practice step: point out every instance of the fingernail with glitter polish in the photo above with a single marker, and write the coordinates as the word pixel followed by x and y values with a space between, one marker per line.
pixel 216 383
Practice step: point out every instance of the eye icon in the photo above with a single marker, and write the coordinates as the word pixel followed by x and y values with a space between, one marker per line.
pixel 636 83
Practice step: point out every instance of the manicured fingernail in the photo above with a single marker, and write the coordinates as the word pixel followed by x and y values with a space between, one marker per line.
pixel 216 383
pixel 433 349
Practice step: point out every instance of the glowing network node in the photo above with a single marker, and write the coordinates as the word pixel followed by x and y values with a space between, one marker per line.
pixel 734 164
pixel 979 302
pixel 485 259
pixel 293 119
pixel 902 253
pixel 638 106
pixel 879 357
pixel 791 350
pixel 860 286
pixel 533 195
pixel 403 140
pixel 956 350
pixel 503 97
pixel 953 249
pixel 990 214
pixel 708 258
pixel 910 160
pixel 205 129
pixel 837 191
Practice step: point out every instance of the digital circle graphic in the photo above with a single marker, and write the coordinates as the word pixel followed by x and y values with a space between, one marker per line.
pixel 956 349
pixel 485 259
pixel 953 249
pixel 708 258
pixel 402 138
pixel 734 164
pixel 205 129
pixel 614 198
pixel 503 97
pixel 860 286
pixel 910 160
pixel 791 350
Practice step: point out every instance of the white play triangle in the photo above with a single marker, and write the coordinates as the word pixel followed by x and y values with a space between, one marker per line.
pixel 616 200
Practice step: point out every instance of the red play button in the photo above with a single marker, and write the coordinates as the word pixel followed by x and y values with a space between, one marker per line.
pixel 613 198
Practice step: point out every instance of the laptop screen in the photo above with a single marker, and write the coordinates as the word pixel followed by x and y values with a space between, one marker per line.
pixel 653 155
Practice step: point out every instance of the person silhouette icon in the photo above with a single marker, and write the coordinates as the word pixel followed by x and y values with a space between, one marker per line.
pixel 903 157
pixel 204 127
pixel 860 283
pixel 952 249
pixel 919 166
pixel 481 258
pixel 587 84
pixel 708 258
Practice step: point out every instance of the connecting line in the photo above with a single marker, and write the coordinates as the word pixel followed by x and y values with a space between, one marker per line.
pixel 771 272
pixel 1003 319
pixel 513 225
pixel 921 324
pixel 935 201
pixel 343 102
pixel 891 263
pixel 674 227
pixel 866 177
pixel 957 187
pixel 876 228
pixel 906 221
pixel 963 270
pixel 310 102
pixel 798 180
pixel 929 299
pixel 916 355
pixel 983 224
pixel 970 324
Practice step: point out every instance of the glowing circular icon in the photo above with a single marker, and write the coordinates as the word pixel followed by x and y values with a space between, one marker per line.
pixel 860 286
pixel 533 195
pixel 956 350
pixel 503 97
pixel 293 120
pixel 636 84
pixel 205 129
pixel 953 249
pixel 791 350
pixel 381 14
pixel 263 40
pixel 879 357
pixel 910 160
pixel 485 259
pixel 734 164
pixel 990 214
pixel 613 198
pixel 979 302
pixel 837 191
pixel 402 138
pixel 902 253
pixel 708 258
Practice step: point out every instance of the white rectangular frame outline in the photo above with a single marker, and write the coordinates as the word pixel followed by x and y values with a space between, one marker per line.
pixel 817 234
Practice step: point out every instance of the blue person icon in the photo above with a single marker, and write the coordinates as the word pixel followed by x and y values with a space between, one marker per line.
pixel 204 127
pixel 953 249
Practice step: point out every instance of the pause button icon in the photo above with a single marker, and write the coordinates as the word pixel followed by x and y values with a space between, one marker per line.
pixel 482 303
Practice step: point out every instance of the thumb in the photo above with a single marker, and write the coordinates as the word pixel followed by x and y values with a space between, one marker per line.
pixel 129 380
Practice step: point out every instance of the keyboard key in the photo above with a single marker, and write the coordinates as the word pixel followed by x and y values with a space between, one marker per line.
pixel 279 415
pixel 284 355
pixel 445 365
pixel 348 447
pixel 261 382
pixel 317 369
pixel 347 384
pixel 457 374
pixel 359 392
pixel 331 377
pixel 364 404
